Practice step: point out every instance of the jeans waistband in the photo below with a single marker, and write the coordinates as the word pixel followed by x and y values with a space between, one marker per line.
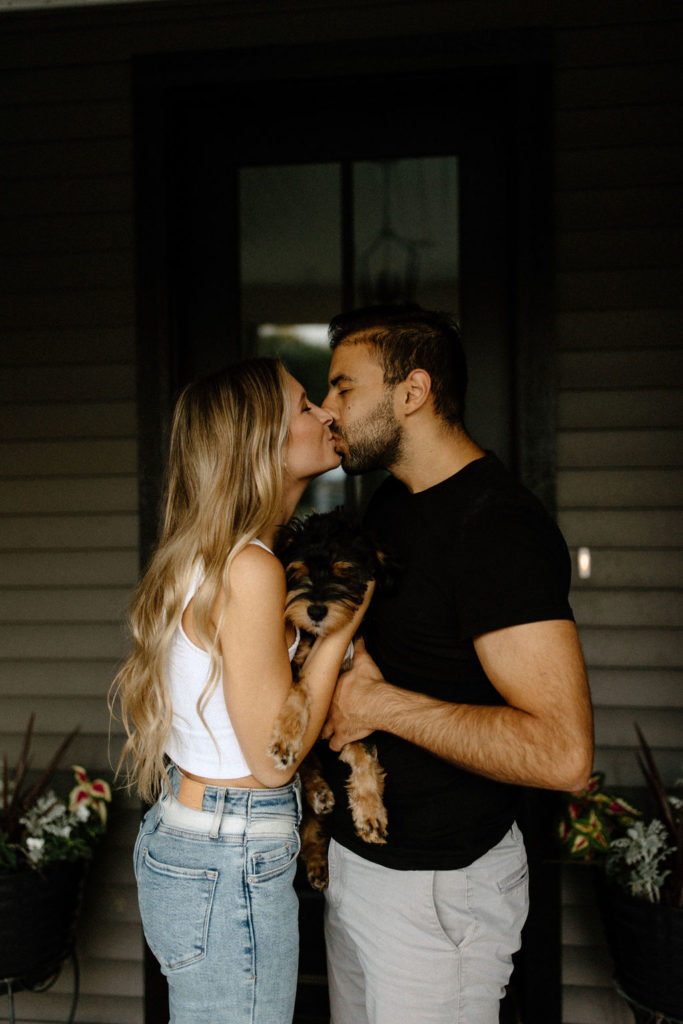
pixel 233 810
pixel 175 815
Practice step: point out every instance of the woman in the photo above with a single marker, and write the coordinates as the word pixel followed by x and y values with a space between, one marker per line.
pixel 215 856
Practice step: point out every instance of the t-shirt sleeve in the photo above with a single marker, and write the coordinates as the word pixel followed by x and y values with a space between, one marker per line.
pixel 515 569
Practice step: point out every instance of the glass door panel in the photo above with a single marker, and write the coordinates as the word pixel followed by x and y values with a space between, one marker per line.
pixel 291 280
pixel 406 232
pixel 290 245
pixel 379 231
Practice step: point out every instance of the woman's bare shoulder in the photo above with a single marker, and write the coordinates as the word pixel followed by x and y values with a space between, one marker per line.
pixel 255 568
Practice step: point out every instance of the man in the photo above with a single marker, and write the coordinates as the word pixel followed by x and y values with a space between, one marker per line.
pixel 472 684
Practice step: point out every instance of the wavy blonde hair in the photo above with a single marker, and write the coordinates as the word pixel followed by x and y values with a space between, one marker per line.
pixel 225 484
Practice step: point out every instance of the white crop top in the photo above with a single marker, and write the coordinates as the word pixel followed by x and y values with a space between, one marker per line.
pixel 189 744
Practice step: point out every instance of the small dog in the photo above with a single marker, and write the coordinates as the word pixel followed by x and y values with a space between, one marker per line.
pixel 328 565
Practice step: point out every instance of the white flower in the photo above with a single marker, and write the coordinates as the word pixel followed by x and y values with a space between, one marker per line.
pixel 82 812
pixel 47 815
pixel 61 829
pixel 35 849
pixel 643 849
pixel 48 808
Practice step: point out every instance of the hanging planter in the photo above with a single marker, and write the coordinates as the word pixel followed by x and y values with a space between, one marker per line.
pixel 639 886
pixel 38 913
pixel 646 943
pixel 46 843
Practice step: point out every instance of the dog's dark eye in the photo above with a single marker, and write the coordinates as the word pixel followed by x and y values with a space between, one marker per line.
pixel 296 571
pixel 343 568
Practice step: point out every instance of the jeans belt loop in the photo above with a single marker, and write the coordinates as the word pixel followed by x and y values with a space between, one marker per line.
pixel 218 814
pixel 297 791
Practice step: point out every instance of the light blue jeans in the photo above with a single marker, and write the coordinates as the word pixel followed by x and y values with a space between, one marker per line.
pixel 217 902
pixel 433 947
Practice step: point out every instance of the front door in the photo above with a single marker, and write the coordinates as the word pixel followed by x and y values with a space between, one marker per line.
pixel 278 187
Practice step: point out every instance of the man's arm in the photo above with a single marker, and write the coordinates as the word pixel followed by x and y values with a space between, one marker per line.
pixel 543 737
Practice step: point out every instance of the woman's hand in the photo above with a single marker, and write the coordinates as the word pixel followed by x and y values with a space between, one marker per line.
pixel 358 615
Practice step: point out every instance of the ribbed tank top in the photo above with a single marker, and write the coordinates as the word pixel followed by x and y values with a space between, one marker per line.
pixel 189 744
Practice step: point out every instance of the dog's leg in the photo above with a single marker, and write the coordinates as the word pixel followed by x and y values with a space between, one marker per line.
pixel 365 787
pixel 290 726
pixel 314 844
pixel 318 794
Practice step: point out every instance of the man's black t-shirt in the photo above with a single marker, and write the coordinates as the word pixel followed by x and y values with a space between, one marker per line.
pixel 477 553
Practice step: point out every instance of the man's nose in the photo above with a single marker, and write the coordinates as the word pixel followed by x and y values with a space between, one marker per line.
pixel 328 405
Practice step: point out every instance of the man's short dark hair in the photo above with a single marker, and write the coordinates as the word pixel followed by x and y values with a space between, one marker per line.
pixel 408 337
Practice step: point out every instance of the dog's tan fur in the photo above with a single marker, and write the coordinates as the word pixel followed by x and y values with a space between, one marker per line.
pixel 365 787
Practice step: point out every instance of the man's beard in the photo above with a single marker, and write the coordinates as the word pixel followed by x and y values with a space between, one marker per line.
pixel 374 442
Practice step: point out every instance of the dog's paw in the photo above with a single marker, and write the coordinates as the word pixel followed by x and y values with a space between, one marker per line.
pixel 372 830
pixel 284 753
pixel 317 875
pixel 322 800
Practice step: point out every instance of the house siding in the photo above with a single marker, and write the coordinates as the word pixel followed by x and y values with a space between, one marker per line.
pixel 68 455
pixel 68 461
pixel 619 482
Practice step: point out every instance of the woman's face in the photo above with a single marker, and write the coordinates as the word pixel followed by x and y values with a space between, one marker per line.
pixel 310 446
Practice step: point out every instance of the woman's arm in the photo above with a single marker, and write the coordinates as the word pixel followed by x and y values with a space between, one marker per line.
pixel 257 675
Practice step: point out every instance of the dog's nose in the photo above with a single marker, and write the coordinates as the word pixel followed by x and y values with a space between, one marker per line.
pixel 317 612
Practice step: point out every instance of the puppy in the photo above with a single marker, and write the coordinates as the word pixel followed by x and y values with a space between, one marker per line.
pixel 328 565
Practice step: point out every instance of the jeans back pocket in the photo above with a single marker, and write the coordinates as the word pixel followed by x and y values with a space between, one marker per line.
pixel 269 858
pixel 175 907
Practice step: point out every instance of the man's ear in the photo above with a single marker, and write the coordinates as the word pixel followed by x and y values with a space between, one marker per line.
pixel 416 390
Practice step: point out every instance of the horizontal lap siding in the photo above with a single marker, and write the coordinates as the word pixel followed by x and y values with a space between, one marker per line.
pixel 68 470
pixel 619 485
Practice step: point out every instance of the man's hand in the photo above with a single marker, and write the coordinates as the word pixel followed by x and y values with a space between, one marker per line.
pixel 541 737
pixel 352 709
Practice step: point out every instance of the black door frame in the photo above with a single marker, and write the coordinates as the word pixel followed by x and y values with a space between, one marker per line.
pixel 486 97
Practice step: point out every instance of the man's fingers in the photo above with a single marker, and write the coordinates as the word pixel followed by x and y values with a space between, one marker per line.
pixel 327 730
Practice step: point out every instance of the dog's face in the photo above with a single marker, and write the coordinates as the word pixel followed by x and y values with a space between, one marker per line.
pixel 328 564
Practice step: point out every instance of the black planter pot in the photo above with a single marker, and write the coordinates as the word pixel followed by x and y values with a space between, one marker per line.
pixel 646 943
pixel 38 914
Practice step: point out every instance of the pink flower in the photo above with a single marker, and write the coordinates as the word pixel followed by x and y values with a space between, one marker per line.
pixel 95 794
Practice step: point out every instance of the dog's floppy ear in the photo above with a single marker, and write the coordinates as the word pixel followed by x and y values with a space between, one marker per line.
pixel 284 537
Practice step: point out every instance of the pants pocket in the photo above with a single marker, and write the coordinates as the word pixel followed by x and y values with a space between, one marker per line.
pixel 514 879
pixel 268 858
pixel 335 870
pixel 175 906
pixel 148 826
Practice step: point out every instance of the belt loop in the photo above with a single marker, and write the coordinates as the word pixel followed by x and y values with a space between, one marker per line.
pixel 297 792
pixel 218 814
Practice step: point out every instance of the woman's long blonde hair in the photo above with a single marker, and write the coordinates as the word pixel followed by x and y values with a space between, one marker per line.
pixel 225 484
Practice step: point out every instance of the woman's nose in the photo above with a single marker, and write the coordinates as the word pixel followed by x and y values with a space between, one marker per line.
pixel 323 415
